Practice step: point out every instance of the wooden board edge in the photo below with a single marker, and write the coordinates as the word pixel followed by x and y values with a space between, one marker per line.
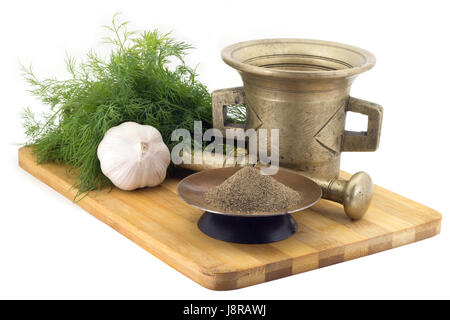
pixel 421 232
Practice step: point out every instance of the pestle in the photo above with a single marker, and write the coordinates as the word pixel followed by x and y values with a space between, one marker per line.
pixel 354 194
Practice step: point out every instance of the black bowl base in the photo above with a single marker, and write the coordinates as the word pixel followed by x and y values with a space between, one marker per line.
pixel 250 230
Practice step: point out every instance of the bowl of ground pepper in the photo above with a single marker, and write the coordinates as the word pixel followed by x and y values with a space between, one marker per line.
pixel 245 206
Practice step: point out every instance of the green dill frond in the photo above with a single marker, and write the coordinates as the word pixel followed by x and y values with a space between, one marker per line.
pixel 134 83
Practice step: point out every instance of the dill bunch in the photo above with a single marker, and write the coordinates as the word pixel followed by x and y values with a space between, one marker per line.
pixel 144 80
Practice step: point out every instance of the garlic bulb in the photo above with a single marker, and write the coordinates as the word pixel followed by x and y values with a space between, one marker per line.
pixel 133 156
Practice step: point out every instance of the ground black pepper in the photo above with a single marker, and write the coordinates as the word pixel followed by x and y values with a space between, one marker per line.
pixel 249 192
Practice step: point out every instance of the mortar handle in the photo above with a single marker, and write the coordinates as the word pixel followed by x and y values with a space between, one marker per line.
pixel 366 140
pixel 220 100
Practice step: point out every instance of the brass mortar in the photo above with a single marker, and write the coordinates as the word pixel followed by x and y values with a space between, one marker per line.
pixel 302 87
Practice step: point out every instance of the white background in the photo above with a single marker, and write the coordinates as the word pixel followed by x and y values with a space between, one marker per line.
pixel 50 248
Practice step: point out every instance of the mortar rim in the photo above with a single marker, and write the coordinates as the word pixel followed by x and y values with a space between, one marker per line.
pixel 242 67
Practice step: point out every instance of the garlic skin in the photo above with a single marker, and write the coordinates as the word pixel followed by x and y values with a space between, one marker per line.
pixel 133 156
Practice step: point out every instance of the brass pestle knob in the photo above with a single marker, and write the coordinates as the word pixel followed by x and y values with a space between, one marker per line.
pixel 355 194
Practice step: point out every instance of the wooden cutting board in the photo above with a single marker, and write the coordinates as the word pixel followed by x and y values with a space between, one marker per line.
pixel 160 222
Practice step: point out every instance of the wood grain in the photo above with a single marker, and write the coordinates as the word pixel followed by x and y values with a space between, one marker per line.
pixel 160 222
